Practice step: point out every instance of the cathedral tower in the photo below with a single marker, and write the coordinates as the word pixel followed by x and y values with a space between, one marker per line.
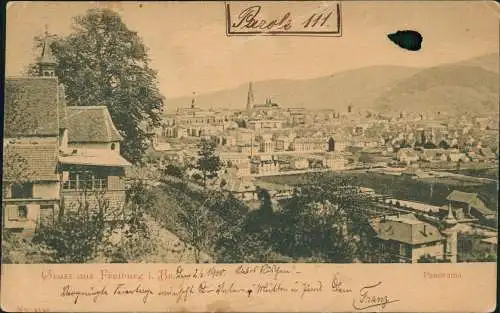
pixel 250 98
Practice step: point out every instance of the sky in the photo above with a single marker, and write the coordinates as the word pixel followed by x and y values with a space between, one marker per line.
pixel 190 50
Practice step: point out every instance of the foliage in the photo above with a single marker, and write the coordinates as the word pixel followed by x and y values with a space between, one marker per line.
pixel 137 238
pixel 19 250
pixel 443 144
pixel 429 145
pixel 241 123
pixel 174 170
pixel 318 221
pixel 208 162
pixel 470 249
pixel 77 234
pixel 102 62
pixel 427 258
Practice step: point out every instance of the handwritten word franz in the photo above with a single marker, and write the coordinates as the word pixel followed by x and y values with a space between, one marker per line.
pixel 368 300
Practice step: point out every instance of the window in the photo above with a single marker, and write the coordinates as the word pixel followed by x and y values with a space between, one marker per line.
pixel 22 191
pixel 402 249
pixel 113 146
pixel 86 181
pixel 22 211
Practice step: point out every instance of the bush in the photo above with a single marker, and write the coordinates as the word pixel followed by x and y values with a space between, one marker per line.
pixel 19 250
pixel 76 236
pixel 174 170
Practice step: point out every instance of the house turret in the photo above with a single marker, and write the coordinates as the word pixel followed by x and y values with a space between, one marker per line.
pixel 46 62
pixel 450 233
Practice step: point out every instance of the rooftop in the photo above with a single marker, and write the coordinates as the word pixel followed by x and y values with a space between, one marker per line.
pixel 40 160
pixel 33 106
pixel 91 124
pixel 97 157
pixel 406 229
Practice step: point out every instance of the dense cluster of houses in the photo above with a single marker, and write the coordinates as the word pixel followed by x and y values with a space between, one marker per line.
pixel 409 156
pixel 56 156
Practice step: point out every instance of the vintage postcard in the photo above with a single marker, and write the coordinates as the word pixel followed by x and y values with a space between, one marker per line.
pixel 250 156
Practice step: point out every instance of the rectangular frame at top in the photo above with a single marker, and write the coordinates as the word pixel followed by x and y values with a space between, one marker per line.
pixel 336 33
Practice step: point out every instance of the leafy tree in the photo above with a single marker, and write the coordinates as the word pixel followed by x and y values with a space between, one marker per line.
pixel 429 145
pixel 137 237
pixel 174 170
pixel 102 62
pixel 319 221
pixel 241 123
pixel 443 144
pixel 196 222
pixel 208 162
pixel 404 144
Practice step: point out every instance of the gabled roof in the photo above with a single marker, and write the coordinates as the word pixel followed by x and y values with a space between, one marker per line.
pixel 406 229
pixel 460 196
pixel 33 106
pixel 472 199
pixel 40 159
pixel 91 124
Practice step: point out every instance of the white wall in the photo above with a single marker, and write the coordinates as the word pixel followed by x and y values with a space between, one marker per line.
pixel 12 220
pixel 436 250
pixel 46 190
pixel 96 146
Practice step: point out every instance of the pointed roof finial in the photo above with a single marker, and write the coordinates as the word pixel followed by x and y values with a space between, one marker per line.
pixel 46 57
pixel 450 219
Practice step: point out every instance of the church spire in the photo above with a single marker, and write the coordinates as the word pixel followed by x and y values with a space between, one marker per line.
pixel 193 100
pixel 250 99
pixel 47 62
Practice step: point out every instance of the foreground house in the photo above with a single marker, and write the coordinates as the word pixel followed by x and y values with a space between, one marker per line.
pixel 405 238
pixel 92 161
pixel 53 154
pixel 34 130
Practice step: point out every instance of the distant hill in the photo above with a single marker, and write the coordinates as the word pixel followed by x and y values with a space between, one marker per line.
pixel 358 87
pixel 471 84
pixel 488 62
pixel 453 87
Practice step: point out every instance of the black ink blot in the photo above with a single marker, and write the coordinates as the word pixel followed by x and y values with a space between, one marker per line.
pixel 407 39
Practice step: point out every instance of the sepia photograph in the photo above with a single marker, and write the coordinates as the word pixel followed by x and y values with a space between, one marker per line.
pixel 249 132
